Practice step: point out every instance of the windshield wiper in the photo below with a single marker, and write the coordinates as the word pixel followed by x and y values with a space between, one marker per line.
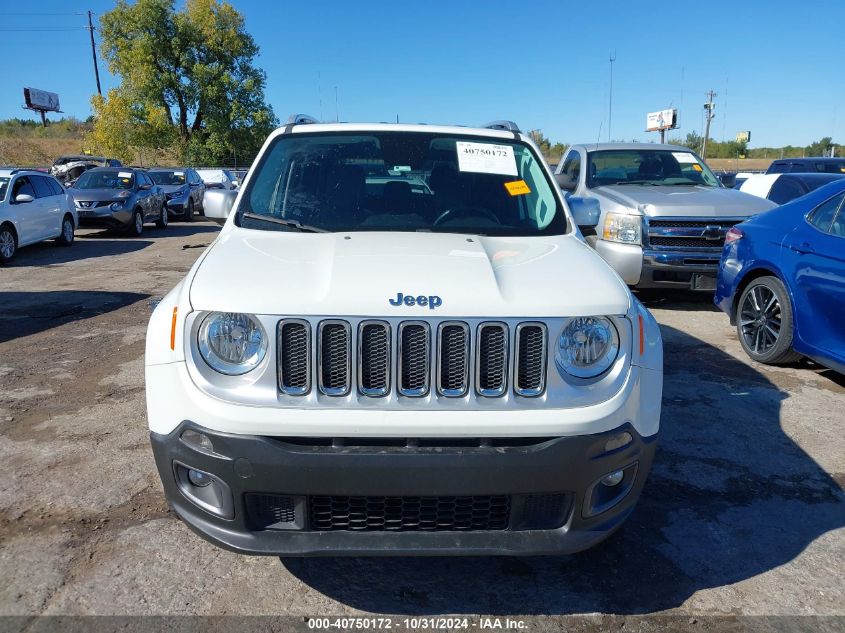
pixel 637 182
pixel 291 224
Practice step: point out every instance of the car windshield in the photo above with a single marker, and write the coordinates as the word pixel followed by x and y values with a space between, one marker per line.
pixel 401 181
pixel 4 184
pixel 648 167
pixel 168 177
pixel 105 179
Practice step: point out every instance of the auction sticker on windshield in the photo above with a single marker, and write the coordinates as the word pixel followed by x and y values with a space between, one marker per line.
pixel 684 157
pixel 486 158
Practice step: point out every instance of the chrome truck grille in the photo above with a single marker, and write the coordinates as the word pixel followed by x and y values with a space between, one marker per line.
pixel 411 359
pixel 687 233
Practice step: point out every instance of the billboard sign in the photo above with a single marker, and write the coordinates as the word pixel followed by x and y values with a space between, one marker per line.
pixel 41 100
pixel 662 120
pixel 743 137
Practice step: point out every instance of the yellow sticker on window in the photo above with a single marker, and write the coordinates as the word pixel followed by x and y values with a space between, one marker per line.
pixel 517 188
pixel 697 167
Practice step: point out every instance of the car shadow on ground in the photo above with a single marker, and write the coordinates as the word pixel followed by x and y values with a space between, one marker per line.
pixel 677 300
pixel 174 229
pixel 26 313
pixel 47 253
pixel 731 496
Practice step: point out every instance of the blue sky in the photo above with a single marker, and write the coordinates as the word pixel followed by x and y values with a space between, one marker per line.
pixel 776 65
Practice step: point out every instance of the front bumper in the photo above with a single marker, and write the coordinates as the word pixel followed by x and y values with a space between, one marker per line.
pixel 104 217
pixel 652 268
pixel 177 206
pixel 563 472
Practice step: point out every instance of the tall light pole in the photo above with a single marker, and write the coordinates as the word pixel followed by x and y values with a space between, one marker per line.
pixel 708 117
pixel 612 59
pixel 94 54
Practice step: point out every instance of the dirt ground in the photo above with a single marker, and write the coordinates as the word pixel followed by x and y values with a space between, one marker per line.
pixel 743 515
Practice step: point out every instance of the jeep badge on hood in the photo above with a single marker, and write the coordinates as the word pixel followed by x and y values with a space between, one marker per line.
pixel 432 301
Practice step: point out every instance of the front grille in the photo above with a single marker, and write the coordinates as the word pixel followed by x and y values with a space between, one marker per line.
pixel 492 359
pixel 409 514
pixel 334 357
pixel 453 359
pixel 374 358
pixel 268 511
pixel 294 357
pixel 414 358
pixel 530 377
pixel 687 242
pixel 691 224
pixel 382 359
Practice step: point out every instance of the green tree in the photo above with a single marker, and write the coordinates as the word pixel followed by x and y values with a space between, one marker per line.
pixel 194 66
pixel 821 147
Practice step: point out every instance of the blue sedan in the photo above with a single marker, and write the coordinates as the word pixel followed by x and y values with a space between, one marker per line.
pixel 782 280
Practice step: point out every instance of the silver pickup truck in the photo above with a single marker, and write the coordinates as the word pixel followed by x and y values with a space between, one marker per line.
pixel 663 213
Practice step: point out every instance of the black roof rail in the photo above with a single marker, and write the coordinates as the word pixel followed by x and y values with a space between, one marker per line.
pixel 508 126
pixel 300 119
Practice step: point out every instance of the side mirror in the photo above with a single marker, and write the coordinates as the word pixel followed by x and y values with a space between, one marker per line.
pixel 565 183
pixel 585 211
pixel 218 204
pixel 145 187
pixel 23 197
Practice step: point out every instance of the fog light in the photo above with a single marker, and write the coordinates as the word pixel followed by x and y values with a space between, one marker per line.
pixel 618 441
pixel 609 480
pixel 197 440
pixel 201 479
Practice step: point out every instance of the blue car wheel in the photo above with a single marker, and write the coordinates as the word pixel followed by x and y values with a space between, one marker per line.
pixel 764 322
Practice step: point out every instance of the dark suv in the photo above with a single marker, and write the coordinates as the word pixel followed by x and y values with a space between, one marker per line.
pixel 119 198
pixel 807 165
pixel 183 191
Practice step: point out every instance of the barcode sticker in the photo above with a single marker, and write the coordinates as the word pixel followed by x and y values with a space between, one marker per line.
pixel 486 158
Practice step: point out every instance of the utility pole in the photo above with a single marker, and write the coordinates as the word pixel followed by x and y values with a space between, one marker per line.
pixel 336 108
pixel 94 54
pixel 708 117
pixel 612 59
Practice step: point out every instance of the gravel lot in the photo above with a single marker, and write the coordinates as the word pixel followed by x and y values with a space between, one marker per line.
pixel 744 512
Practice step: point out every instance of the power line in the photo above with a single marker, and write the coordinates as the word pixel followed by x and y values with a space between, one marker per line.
pixel 45 13
pixel 42 29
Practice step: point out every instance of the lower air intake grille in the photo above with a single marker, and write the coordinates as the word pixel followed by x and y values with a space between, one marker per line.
pixel 334 357
pixel 492 359
pixel 271 511
pixel 295 357
pixel 414 354
pixel 409 514
pixel 530 359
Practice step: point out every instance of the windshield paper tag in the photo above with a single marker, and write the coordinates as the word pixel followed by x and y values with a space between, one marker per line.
pixel 486 158
pixel 124 174
pixel 517 188
pixel 179 174
pixel 684 157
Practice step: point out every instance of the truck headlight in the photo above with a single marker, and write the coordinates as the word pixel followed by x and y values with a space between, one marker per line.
pixel 232 343
pixel 624 228
pixel 587 347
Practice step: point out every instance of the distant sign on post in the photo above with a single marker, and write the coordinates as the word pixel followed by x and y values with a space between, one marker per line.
pixel 743 137
pixel 42 100
pixel 662 120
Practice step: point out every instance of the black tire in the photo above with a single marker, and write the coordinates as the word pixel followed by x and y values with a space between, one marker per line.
pixel 8 243
pixel 162 218
pixel 66 236
pixel 136 226
pixel 189 212
pixel 764 322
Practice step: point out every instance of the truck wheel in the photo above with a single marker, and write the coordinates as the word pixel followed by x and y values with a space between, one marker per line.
pixel 66 236
pixel 764 322
pixel 162 218
pixel 189 213
pixel 136 227
pixel 8 243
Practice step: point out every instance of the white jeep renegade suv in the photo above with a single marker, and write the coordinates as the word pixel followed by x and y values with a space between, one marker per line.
pixel 400 343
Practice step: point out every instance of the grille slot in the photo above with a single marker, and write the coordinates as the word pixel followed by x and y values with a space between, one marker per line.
pixel 294 357
pixel 530 379
pixel 414 358
pixel 491 363
pixel 453 359
pixel 272 512
pixel 334 356
pixel 687 242
pixel 409 514
pixel 374 358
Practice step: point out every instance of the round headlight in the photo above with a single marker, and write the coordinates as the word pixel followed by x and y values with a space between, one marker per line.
pixel 587 347
pixel 232 343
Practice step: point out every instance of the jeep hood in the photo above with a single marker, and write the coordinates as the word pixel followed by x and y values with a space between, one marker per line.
pixel 683 201
pixel 357 274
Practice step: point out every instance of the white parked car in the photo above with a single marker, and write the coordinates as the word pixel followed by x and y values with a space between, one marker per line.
pixel 218 178
pixel 33 207
pixel 359 364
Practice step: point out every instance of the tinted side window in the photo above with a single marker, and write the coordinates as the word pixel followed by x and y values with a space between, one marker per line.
pixel 837 228
pixel 778 168
pixel 22 186
pixel 822 216
pixel 55 186
pixel 571 168
pixel 42 187
pixel 785 189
